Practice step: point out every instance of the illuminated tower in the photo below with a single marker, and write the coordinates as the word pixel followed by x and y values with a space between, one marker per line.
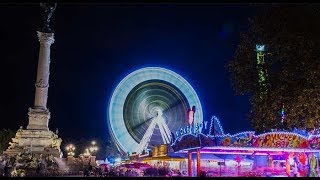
pixel 260 67
pixel 260 49
pixel 37 138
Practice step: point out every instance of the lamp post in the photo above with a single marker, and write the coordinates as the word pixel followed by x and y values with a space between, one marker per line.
pixel 70 153
pixel 86 153
pixel 92 151
pixel 93 148
pixel 70 150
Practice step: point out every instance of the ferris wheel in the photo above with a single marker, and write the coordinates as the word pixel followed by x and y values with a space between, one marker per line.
pixel 147 106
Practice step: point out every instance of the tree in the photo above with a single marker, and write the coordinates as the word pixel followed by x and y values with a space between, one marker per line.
pixel 291 36
pixel 5 137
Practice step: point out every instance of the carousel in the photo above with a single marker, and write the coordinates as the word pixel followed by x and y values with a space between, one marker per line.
pixel 272 154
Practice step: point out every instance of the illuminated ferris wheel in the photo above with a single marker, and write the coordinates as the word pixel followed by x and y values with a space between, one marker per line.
pixel 147 106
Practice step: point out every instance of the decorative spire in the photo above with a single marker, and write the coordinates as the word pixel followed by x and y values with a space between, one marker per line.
pixel 215 127
pixel 48 9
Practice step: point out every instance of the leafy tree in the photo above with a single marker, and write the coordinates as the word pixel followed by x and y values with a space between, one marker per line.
pixel 5 137
pixel 291 36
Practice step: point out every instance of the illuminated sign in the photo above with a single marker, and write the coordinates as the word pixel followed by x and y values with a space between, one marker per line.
pixel 197 128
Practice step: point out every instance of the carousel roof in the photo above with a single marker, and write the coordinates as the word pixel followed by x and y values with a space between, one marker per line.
pixel 293 141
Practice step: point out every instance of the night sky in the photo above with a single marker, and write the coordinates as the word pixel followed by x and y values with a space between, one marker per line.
pixel 98 45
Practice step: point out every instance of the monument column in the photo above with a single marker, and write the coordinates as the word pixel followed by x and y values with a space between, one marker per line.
pixel 37 138
pixel 39 115
pixel 42 83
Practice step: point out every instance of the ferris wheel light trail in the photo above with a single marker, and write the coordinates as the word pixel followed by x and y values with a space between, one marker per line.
pixel 164 130
pixel 147 98
pixel 147 136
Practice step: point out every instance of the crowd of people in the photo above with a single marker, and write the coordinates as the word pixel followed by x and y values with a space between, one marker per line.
pixel 40 165
pixel 116 171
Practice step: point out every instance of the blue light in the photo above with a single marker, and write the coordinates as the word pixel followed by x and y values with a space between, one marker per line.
pixel 115 116
pixel 260 47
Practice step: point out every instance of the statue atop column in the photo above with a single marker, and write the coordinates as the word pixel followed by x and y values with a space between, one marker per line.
pixel 48 9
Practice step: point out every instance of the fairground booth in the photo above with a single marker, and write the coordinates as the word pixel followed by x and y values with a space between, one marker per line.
pixel 273 154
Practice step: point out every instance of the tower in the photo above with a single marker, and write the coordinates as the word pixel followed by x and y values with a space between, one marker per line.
pixel 260 66
pixel 37 138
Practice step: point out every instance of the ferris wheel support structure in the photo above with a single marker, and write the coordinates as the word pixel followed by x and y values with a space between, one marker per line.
pixel 164 130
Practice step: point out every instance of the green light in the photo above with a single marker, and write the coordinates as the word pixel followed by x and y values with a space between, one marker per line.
pixel 260 62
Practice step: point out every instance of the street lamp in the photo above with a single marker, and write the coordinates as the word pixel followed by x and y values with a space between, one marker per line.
pixel 70 150
pixel 93 148
pixel 86 153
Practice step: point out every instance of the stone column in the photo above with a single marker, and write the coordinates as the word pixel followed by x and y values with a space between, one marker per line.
pixel 39 115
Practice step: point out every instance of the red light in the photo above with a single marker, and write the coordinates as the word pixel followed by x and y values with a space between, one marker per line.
pixel 191 115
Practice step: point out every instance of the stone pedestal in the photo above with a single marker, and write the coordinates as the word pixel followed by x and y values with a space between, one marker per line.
pixel 70 160
pixel 35 141
pixel 38 119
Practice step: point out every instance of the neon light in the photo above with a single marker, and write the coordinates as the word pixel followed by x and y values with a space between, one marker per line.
pixel 237 153
pixel 197 128
pixel 144 155
pixel 191 114
pixel 205 124
pixel 282 113
pixel 194 135
pixel 264 134
pixel 214 120
pixel 313 136
pixel 193 148
pixel 116 123
pixel 310 137
pixel 235 135
pixel 261 149
pixel 282 132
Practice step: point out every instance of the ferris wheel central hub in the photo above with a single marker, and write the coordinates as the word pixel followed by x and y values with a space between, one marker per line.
pixel 159 113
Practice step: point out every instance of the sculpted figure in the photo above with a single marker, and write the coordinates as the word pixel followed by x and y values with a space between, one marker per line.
pixel 56 143
pixel 48 9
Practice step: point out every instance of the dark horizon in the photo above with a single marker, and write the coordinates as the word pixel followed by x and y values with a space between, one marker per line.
pixel 98 45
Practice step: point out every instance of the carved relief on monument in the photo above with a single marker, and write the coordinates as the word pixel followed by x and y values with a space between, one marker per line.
pixel 48 9
pixel 36 140
pixel 45 38
pixel 39 114
pixel 38 118
pixel 56 142
pixel 41 84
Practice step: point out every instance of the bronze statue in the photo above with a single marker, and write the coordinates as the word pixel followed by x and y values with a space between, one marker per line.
pixel 48 9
